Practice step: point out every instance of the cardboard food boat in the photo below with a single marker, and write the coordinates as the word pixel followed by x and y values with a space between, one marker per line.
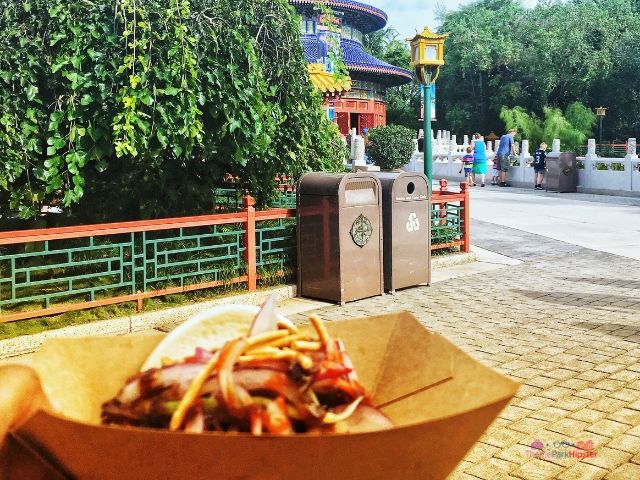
pixel 439 398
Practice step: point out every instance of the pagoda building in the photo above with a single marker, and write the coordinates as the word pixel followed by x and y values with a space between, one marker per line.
pixel 360 103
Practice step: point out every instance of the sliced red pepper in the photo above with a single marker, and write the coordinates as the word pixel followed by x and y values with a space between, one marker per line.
pixel 329 369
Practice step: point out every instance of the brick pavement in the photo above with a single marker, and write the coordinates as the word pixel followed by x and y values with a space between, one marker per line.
pixel 566 324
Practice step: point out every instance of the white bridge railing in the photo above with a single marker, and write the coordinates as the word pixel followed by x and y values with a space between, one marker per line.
pixel 619 176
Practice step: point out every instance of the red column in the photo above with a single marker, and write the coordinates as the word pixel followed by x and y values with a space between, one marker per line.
pixel 250 241
pixel 466 226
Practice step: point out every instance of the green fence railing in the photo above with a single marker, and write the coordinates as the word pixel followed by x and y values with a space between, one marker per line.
pixel 50 271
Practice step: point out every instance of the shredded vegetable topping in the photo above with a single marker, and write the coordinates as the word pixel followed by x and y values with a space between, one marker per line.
pixel 280 382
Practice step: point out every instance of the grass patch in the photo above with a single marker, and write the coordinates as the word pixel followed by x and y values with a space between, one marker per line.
pixel 445 251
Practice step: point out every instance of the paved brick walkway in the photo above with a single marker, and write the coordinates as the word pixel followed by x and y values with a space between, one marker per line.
pixel 566 324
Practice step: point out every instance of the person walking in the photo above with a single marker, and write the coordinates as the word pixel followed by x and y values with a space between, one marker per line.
pixel 479 159
pixel 506 148
pixel 467 165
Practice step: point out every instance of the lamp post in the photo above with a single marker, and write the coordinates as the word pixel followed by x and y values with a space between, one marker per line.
pixel 601 112
pixel 427 56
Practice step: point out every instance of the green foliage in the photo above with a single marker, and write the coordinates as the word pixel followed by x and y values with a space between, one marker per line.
pixel 529 125
pixel 572 127
pixel 501 54
pixel 328 20
pixel 138 108
pixel 390 147
pixel 403 102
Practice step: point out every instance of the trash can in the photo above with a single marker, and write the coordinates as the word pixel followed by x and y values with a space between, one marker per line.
pixel 407 230
pixel 339 236
pixel 562 172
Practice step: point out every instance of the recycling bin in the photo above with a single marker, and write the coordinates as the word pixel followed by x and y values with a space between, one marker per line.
pixel 339 236
pixel 562 172
pixel 407 230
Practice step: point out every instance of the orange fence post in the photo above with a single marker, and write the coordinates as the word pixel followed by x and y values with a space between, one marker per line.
pixel 466 227
pixel 444 185
pixel 250 241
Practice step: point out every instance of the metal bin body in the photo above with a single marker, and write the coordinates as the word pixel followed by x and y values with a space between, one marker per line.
pixel 562 172
pixel 339 236
pixel 407 230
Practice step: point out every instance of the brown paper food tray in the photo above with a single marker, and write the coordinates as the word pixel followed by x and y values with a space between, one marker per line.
pixel 440 400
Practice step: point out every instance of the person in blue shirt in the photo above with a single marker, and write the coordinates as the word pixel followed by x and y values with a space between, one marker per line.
pixel 506 148
pixel 539 165
pixel 479 159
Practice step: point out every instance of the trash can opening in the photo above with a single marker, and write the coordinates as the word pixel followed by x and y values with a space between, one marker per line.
pixel 411 188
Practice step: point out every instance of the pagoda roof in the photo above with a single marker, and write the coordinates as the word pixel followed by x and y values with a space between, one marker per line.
pixel 360 15
pixel 429 35
pixel 327 82
pixel 360 63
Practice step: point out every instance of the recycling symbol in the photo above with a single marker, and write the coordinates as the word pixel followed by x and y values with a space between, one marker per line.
pixel 413 225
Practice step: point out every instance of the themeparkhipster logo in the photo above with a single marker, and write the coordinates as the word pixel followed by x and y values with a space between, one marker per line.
pixel 562 449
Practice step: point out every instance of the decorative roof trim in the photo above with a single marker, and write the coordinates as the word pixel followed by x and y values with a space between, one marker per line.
pixel 391 71
pixel 350 5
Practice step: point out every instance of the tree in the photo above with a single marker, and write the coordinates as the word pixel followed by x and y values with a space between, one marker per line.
pixel 141 114
pixel 500 54
pixel 479 57
pixel 403 102
pixel 572 127
pixel 391 147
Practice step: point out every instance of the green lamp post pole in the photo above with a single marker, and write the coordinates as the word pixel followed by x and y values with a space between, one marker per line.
pixel 600 135
pixel 428 154
pixel 601 112
pixel 427 56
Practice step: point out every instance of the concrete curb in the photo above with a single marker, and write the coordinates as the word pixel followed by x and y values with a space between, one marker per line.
pixel 168 319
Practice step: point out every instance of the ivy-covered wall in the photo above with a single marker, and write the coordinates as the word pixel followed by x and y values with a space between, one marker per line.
pixel 126 109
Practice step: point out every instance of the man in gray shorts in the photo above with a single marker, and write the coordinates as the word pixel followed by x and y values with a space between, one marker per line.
pixel 506 148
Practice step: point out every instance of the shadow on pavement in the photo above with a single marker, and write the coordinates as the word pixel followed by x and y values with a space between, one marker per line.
pixel 607 282
pixel 518 244
pixel 582 299
pixel 628 332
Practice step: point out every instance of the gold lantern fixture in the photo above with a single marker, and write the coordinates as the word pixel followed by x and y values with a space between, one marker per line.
pixel 427 54
pixel 601 112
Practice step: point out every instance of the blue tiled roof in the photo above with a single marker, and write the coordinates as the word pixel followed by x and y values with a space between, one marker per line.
pixel 367 18
pixel 360 61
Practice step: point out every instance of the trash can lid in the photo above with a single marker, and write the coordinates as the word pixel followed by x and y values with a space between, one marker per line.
pixel 320 183
pixel 415 181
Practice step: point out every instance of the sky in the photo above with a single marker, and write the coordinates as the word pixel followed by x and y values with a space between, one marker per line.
pixel 407 16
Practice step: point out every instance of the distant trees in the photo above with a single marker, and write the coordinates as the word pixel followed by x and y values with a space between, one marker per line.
pixel 403 103
pixel 500 54
pixel 572 127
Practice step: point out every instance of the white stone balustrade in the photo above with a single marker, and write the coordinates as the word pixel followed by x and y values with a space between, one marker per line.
pixel 591 149
pixel 595 174
pixel 631 149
